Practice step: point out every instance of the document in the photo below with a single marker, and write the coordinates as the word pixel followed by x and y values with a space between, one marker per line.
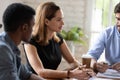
pixel 110 73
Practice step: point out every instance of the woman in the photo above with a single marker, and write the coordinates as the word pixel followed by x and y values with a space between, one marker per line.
pixel 47 46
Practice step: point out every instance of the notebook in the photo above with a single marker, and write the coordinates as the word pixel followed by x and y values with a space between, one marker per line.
pixel 110 73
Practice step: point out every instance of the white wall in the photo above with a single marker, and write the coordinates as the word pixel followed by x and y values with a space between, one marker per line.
pixel 76 12
pixel 3 5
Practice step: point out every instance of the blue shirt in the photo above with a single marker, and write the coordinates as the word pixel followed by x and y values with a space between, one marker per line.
pixel 10 61
pixel 109 40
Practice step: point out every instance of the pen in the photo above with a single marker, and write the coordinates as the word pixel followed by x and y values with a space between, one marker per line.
pixel 89 74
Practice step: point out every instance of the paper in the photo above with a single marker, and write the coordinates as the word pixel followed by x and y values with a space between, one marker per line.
pixel 110 73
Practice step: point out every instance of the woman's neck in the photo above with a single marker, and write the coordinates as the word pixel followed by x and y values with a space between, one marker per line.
pixel 50 35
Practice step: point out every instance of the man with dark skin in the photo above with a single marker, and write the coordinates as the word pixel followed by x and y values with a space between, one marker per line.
pixel 18 20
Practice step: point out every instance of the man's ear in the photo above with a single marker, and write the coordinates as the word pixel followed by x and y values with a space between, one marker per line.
pixel 25 27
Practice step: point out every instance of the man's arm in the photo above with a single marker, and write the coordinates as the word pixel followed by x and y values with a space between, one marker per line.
pixel 35 77
pixel 25 74
pixel 8 70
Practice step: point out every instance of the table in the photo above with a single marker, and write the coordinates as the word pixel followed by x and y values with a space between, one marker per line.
pixel 95 78
pixel 110 74
pixel 102 76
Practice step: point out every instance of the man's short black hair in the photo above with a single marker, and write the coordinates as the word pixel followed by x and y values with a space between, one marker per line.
pixel 16 15
pixel 117 8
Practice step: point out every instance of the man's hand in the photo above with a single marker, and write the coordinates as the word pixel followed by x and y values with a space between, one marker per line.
pixel 116 66
pixel 101 66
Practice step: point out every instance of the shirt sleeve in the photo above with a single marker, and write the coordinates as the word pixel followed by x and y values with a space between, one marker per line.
pixel 24 73
pixel 8 70
pixel 98 47
pixel 8 66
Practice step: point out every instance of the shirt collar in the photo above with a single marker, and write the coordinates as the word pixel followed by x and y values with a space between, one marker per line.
pixel 11 43
pixel 116 30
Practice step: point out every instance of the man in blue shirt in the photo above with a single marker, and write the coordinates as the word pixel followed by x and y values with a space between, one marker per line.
pixel 18 20
pixel 109 40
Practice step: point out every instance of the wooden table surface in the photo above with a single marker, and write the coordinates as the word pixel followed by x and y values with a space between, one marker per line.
pixel 101 78
pixel 95 78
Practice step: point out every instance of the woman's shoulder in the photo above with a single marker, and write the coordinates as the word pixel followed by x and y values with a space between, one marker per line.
pixel 33 41
pixel 60 37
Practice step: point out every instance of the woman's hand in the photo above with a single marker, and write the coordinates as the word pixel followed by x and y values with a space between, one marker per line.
pixel 90 72
pixel 101 66
pixel 116 66
pixel 81 73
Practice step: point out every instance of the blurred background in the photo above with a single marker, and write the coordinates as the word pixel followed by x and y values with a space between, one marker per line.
pixel 91 16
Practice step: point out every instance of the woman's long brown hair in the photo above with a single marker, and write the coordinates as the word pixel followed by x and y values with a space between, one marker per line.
pixel 44 11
